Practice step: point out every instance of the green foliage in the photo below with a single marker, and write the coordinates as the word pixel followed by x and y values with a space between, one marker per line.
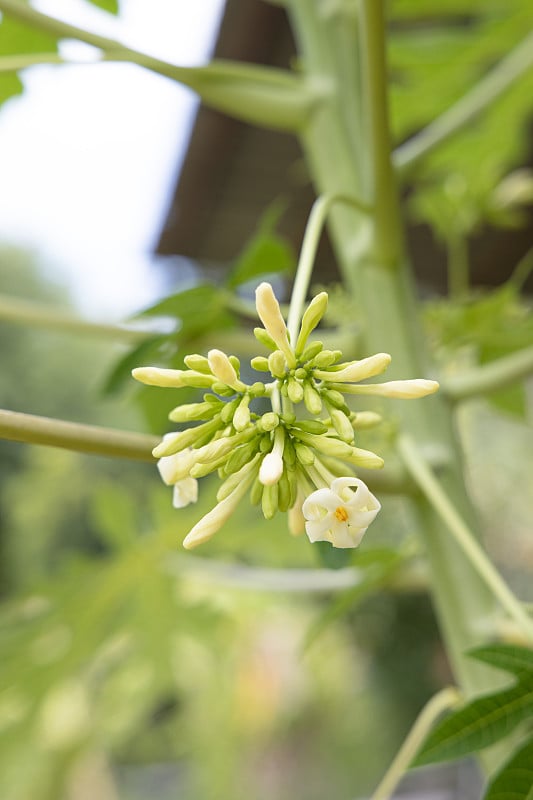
pixel 515 780
pixel 487 719
pixel 17 38
pixel 107 5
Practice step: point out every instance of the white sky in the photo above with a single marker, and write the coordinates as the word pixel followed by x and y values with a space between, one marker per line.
pixel 88 155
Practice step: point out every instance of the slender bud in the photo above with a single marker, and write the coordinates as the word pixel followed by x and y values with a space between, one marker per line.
pixel 269 500
pixel 284 492
pixel 311 426
pixel 342 425
pixel 401 390
pixel 226 415
pixel 325 358
pixel 194 411
pixel 335 398
pixel 296 517
pixel 364 458
pixel 304 454
pixel 241 418
pixel 311 351
pixel 357 370
pixel 262 336
pixel 235 479
pixel 214 519
pixel 312 400
pixel 270 315
pixel 365 419
pixel 312 316
pixel 174 442
pixel 175 378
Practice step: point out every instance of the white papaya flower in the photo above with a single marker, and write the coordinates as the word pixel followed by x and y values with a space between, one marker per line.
pixel 174 471
pixel 340 515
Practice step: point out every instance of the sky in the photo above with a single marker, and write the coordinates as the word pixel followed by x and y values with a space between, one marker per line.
pixel 89 153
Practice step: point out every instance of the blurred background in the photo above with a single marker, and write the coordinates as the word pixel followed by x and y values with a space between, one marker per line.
pixel 130 669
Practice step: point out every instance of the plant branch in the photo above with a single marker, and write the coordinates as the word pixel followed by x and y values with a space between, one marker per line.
pixel 490 377
pixel 313 231
pixel 261 95
pixel 443 701
pixel 73 436
pixel 473 103
pixel 424 476
pixel 26 312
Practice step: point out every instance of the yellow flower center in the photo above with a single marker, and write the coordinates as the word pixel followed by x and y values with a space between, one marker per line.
pixel 341 514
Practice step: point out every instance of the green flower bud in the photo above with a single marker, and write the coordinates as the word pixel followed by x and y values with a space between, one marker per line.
pixel 269 421
pixel 365 458
pixel 198 363
pixel 214 519
pixel 311 351
pixel 325 444
pixel 262 336
pixel 194 411
pixel 277 364
pixel 325 358
pixel 284 492
pixel 300 373
pixel 334 398
pixel 257 389
pixel 357 370
pixel 201 470
pixel 295 391
pixel 289 453
pixel 342 425
pixel 270 315
pixel 292 477
pixel 310 426
pixel 175 378
pixel 265 444
pixel 256 492
pixel 236 478
pixel 173 443
pixel 304 454
pixel 241 456
pixel 260 363
pixel 222 389
pixel 221 447
pixel 312 400
pixel 312 316
pixel 226 415
pixel 269 500
pixel 236 364
pixel 210 398
pixel 222 368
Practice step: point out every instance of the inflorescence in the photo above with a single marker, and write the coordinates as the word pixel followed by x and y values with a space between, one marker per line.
pixel 289 462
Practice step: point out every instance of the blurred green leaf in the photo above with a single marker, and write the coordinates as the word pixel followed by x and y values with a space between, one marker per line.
pixel 112 6
pixel 114 515
pixel 16 38
pixel 479 724
pixel 507 657
pixel 515 780
pixel 267 252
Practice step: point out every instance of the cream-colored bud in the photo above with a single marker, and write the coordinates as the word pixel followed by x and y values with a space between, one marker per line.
pixel 215 519
pixel 365 419
pixel 172 378
pixel 342 424
pixel 222 368
pixel 296 517
pixel 271 469
pixel 277 364
pixel 365 458
pixel 357 370
pixel 401 390
pixel 269 421
pixel 241 418
pixel 270 315
pixel 176 467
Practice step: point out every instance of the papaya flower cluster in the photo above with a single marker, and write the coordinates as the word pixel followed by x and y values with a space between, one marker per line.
pixel 300 456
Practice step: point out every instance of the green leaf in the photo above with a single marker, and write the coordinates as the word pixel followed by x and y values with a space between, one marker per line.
pixel 115 516
pixel 479 724
pixel 151 349
pixel 510 658
pixel 266 252
pixel 515 780
pixel 16 38
pixel 107 5
pixel 198 310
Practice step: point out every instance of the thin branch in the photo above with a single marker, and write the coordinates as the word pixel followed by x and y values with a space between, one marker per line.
pixel 73 436
pixel 490 377
pixel 477 100
pixel 260 95
pixel 443 701
pixel 26 312
pixel 429 484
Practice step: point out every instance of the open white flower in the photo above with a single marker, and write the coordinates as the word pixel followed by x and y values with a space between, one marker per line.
pixel 174 471
pixel 340 515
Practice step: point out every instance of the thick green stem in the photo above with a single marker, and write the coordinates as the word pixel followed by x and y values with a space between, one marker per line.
pixel 373 264
pixel 490 377
pixel 73 436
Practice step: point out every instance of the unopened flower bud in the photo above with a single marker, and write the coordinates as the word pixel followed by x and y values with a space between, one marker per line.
pixel 325 358
pixel 295 391
pixel 222 368
pixel 241 418
pixel 311 351
pixel 269 500
pixel 304 454
pixel 262 336
pixel 402 390
pixel 357 370
pixel 260 363
pixel 174 378
pixel 214 519
pixel 333 397
pixel 191 412
pixel 271 469
pixel 296 518
pixel 312 400
pixel 269 421
pixel 277 364
pixel 198 363
pixel 342 424
pixel 235 478
pixel 312 316
pixel 365 419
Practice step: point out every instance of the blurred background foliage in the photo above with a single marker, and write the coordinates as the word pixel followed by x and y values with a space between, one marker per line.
pixel 131 670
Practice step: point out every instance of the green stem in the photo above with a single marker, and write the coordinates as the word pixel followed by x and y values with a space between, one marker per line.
pixel 443 701
pixel 15 63
pixel 73 436
pixel 478 99
pixel 26 312
pixel 313 231
pixel 426 479
pixel 490 377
